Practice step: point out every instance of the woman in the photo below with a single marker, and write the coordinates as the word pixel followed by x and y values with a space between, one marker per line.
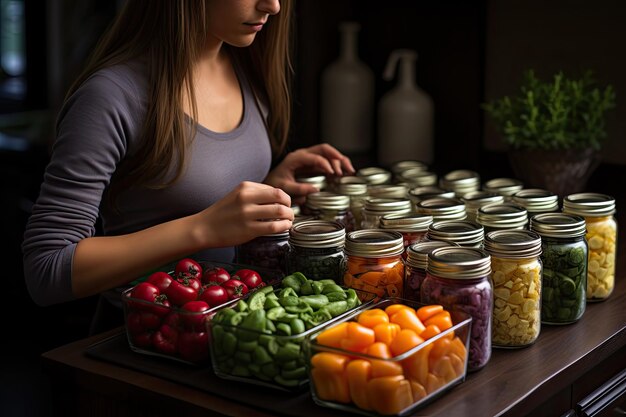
pixel 168 138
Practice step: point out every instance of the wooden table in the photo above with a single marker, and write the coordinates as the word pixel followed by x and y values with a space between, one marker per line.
pixel 548 378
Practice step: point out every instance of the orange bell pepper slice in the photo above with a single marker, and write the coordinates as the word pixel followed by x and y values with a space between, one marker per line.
pixel 372 277
pixel 389 394
pixel 333 335
pixel 373 317
pixel 458 364
pixel 394 290
pixel 407 319
pixel 359 372
pixel 395 275
pixel 458 348
pixel 444 369
pixel 430 331
pixel 426 312
pixel 405 340
pixel 383 367
pixel 394 308
pixel 330 362
pixel 417 366
pixel 358 337
pixel 433 383
pixel 441 320
pixel 329 376
pixel 441 347
pixel 386 332
pixel 418 391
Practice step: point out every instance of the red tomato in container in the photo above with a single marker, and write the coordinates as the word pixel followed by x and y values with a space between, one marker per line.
pixel 215 275
pixel 188 267
pixel 214 295
pixel 165 339
pixel 154 301
pixel 251 278
pixel 191 315
pixel 193 346
pixel 180 293
pixel 161 280
pixel 235 288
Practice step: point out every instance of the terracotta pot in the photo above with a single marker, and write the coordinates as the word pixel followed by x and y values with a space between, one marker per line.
pixel 561 171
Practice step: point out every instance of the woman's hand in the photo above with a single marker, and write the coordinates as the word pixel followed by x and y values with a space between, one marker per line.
pixel 321 158
pixel 249 211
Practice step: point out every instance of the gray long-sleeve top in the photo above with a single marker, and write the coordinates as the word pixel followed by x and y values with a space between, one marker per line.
pixel 97 128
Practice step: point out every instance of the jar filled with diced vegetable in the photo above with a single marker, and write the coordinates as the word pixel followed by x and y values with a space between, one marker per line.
pixel 598 211
pixel 564 258
pixel 374 259
pixel 458 279
pixel 416 264
pixel 516 275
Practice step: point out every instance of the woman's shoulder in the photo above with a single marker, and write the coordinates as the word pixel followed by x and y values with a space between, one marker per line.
pixel 127 79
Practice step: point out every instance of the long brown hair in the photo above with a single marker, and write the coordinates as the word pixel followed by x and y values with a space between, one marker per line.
pixel 170 34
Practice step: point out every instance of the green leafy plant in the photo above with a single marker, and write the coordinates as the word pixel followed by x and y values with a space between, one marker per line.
pixel 564 113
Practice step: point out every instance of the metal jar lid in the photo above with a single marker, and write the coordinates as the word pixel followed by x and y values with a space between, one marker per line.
pixel 417 253
pixel 400 166
pixel 459 263
pixel 442 208
pixel 461 181
pixel 318 181
pixel 503 186
pixel 351 185
pixel 558 225
pixel 406 222
pixel 502 216
pixel 387 191
pixel 418 194
pixel 417 177
pixel 515 244
pixel 374 175
pixel 383 206
pixel 536 200
pixel 589 204
pixel 463 232
pixel 317 234
pixel 325 200
pixel 476 199
pixel 374 243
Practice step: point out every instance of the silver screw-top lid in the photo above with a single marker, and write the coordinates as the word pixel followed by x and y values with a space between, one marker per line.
pixel 558 225
pixel 459 263
pixel 463 232
pixel 502 216
pixel 503 186
pixel 461 181
pixel 381 206
pixel 400 166
pixel 417 253
pixel 416 177
pixel 476 199
pixel 387 191
pixel 374 243
pixel 325 200
pixel 418 194
pixel 406 222
pixel 351 185
pixel 317 234
pixel 516 244
pixel 442 208
pixel 318 181
pixel 536 200
pixel 589 204
pixel 374 175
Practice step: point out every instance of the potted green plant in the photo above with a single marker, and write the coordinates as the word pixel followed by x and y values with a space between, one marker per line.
pixel 554 129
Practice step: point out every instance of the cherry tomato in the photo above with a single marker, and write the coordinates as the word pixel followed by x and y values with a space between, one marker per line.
pixel 161 280
pixel 190 282
pixel 165 339
pixel 191 315
pixel 193 346
pixel 251 278
pixel 178 293
pixel 154 301
pixel 235 288
pixel 214 295
pixel 138 322
pixel 188 267
pixel 215 275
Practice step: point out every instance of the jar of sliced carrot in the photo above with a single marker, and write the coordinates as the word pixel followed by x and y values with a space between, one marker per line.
pixel 374 262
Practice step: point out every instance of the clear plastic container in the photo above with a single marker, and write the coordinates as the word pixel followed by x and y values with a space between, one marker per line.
pixel 459 280
pixel 598 211
pixel 397 385
pixel 564 257
pixel 516 275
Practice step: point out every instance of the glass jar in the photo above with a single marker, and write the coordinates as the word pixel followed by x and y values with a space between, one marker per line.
pixel 418 194
pixel 462 232
pixel 317 181
pixel 536 201
pixel 505 187
pixel 601 237
pixel 387 191
pixel 316 250
pixel 417 177
pixel 415 266
pixel 413 227
pixel 374 175
pixel 477 199
pixel 397 168
pixel 503 216
pixel 356 189
pixel 375 208
pixel 330 207
pixel 458 279
pixel 564 257
pixel 269 251
pixel 461 181
pixel 442 209
pixel 516 276
pixel 374 259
